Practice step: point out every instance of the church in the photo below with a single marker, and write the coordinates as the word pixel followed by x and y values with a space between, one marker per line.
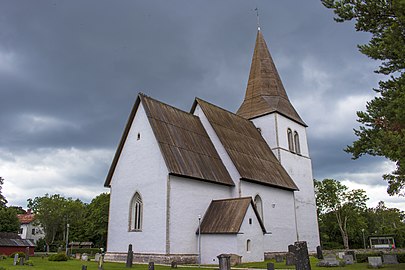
pixel 188 186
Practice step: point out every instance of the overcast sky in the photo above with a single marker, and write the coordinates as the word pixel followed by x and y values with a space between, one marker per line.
pixel 70 72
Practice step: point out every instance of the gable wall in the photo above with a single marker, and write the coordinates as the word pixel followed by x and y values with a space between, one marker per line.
pixel 188 199
pixel 280 220
pixel 140 168
pixel 233 172
pixel 254 233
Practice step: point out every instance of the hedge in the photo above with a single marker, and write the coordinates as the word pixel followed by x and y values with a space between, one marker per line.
pixel 59 257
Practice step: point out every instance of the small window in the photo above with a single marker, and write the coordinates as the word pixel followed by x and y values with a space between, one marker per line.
pixel 250 221
pixel 290 140
pixel 135 215
pixel 138 137
pixel 33 231
pixel 21 231
pixel 248 245
pixel 297 143
pixel 259 205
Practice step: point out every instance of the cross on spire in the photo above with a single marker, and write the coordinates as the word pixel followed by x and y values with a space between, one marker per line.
pixel 258 18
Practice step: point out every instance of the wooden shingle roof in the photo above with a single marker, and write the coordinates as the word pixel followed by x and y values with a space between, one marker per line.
pixel 226 216
pixel 265 92
pixel 14 240
pixel 185 146
pixel 247 149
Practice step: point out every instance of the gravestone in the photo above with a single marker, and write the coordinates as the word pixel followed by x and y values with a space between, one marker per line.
pixel 174 264
pixel 78 256
pixel 319 253
pixel 374 262
pixel 84 267
pixel 270 266
pixel 101 263
pixel 291 248
pixel 151 266
pixel 290 259
pixel 22 261
pixel 390 259
pixel 353 253
pixel 130 257
pixel 15 259
pixel 301 256
pixel 224 261
pixel 329 260
pixel 85 257
pixel 97 257
pixel 341 254
pixel 27 253
pixel 348 259
pixel 279 258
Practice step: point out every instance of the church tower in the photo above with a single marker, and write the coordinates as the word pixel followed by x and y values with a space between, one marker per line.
pixel 267 105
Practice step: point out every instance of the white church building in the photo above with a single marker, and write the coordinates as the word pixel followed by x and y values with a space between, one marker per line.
pixel 188 186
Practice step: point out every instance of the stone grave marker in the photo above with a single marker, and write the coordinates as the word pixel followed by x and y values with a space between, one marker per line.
pixel 78 256
pixel 329 260
pixel 319 253
pixel 22 261
pixel 270 266
pixel 353 253
pixel 224 261
pixel 348 259
pixel 301 256
pixel 15 259
pixel 341 254
pixel 151 266
pixel 390 259
pixel 290 259
pixel 130 257
pixel 374 262
pixel 85 257
pixel 97 257
pixel 84 267
pixel 279 258
pixel 174 264
pixel 291 248
pixel 27 253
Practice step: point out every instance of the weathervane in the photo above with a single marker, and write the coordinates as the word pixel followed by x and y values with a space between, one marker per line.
pixel 258 18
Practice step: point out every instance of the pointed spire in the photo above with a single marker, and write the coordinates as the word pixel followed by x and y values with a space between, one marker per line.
pixel 265 92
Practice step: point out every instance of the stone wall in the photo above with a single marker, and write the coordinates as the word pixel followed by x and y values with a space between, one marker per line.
pixel 151 257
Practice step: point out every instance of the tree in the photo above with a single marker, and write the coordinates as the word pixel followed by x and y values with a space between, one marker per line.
pixel 347 206
pixel 382 130
pixel 8 220
pixel 3 200
pixel 97 219
pixel 54 213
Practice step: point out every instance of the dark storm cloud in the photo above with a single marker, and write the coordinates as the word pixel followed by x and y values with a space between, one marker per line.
pixel 70 71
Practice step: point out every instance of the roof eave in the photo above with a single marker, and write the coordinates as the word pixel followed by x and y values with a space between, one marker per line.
pixel 269 184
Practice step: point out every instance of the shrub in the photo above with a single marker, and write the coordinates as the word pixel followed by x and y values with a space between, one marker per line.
pixel 59 257
pixel 29 263
pixel 2 268
pixel 401 257
pixel 20 254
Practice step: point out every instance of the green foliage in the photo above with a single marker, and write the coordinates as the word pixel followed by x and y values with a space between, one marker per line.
pixel 54 213
pixel 59 257
pixel 382 130
pixel 29 263
pixel 2 268
pixel 8 220
pixel 20 254
pixel 339 209
pixel 97 220
pixel 3 200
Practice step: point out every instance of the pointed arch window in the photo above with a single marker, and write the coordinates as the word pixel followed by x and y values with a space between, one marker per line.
pixel 248 245
pixel 135 214
pixel 297 142
pixel 290 140
pixel 259 205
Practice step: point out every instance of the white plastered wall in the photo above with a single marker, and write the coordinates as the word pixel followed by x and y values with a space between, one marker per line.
pixel 140 168
pixel 213 245
pixel 190 198
pixel 274 130
pixel 278 212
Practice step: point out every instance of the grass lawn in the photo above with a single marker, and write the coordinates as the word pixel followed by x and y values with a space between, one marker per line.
pixel 44 264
